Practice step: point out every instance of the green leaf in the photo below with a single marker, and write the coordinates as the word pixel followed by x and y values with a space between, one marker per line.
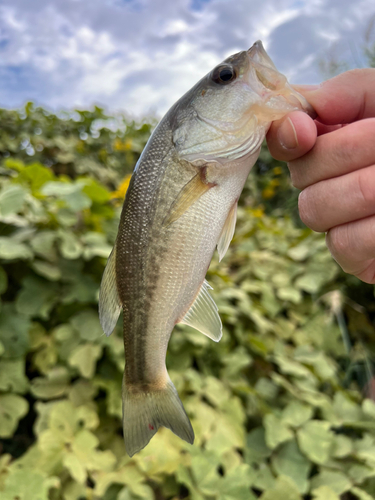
pixel 12 376
pixel 28 485
pixel 276 431
pixel 345 409
pixel 325 493
pixel 75 467
pixel 361 494
pixel 289 293
pixel 35 175
pixel 43 244
pixel 206 476
pixel 95 191
pixel 336 480
pixel 256 447
pixel 236 484
pixel 70 192
pixel 299 252
pixel 289 461
pixel 12 199
pixel 12 409
pixel 283 489
pixel 264 478
pixel 315 439
pixel 323 366
pixel 14 329
pixel 359 472
pixel 342 446
pixel 368 405
pixel 10 249
pixel 365 448
pixel 53 386
pixel 291 367
pixel 87 325
pixel 142 491
pixel 84 358
pixel 96 245
pixel 295 413
pixel 70 246
pixel 74 491
pixel 47 270
pixel 37 297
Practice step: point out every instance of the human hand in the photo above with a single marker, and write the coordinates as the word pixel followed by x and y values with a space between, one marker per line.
pixel 332 160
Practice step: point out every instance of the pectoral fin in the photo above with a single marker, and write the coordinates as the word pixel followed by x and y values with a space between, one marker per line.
pixel 188 195
pixel 203 314
pixel 109 301
pixel 227 232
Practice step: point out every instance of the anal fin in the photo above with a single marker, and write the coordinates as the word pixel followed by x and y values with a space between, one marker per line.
pixel 109 301
pixel 227 232
pixel 203 314
pixel 188 195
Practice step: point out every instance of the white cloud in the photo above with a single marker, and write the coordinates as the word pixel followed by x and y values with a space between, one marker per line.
pixel 142 55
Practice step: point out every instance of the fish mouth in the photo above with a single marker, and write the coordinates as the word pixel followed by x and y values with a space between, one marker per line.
pixel 275 82
pixel 258 54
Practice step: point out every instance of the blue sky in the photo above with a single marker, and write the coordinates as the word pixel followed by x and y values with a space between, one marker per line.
pixel 142 55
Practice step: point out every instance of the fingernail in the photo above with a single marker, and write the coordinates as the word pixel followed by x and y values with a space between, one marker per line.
pixel 287 135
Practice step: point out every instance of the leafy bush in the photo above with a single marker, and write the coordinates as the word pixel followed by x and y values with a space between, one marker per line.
pixel 277 406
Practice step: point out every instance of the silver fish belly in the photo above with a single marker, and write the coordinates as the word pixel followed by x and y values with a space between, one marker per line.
pixel 181 204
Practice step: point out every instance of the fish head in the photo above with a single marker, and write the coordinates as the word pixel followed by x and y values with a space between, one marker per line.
pixel 226 115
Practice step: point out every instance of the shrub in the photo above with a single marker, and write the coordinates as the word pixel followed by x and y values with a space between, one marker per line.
pixel 278 406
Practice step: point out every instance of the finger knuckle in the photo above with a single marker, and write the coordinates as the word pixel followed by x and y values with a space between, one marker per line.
pixel 307 209
pixel 365 187
pixel 295 175
pixel 337 240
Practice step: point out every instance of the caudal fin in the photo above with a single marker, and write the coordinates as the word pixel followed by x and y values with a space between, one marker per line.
pixel 145 412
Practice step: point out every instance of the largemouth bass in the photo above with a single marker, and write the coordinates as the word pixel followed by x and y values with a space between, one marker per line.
pixel 181 203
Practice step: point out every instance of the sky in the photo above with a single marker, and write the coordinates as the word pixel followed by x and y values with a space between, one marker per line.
pixel 140 56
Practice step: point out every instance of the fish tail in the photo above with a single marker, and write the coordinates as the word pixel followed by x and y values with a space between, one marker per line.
pixel 145 411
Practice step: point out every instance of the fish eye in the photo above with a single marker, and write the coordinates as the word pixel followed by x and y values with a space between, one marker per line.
pixel 224 75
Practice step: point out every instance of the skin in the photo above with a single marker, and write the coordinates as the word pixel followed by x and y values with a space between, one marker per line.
pixel 332 161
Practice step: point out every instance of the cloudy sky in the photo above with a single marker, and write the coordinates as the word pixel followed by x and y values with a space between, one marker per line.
pixel 142 55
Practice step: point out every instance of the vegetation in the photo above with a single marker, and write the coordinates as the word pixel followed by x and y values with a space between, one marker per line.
pixel 283 407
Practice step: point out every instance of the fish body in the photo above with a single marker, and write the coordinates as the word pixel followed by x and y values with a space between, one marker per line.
pixel 181 203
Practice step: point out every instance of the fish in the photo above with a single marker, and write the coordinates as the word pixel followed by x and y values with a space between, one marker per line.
pixel 180 205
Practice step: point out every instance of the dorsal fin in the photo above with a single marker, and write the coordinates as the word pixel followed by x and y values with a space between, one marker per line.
pixel 203 314
pixel 109 301
pixel 227 232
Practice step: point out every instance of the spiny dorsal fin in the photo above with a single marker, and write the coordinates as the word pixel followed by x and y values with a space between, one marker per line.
pixel 203 314
pixel 188 195
pixel 109 301
pixel 227 232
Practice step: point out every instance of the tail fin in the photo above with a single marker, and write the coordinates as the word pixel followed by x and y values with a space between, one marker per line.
pixel 145 412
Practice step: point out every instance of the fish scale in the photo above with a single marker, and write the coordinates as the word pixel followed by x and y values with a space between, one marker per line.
pixel 181 203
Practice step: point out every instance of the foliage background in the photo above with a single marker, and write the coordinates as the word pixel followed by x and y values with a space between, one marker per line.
pixel 283 407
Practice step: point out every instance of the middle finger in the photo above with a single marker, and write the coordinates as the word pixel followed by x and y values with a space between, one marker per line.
pixel 336 153
pixel 338 200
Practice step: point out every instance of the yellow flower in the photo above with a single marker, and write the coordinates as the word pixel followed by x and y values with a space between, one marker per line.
pixel 121 190
pixel 268 193
pixel 120 145
pixel 257 212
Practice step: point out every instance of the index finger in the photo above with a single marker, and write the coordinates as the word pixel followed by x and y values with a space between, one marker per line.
pixel 345 98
